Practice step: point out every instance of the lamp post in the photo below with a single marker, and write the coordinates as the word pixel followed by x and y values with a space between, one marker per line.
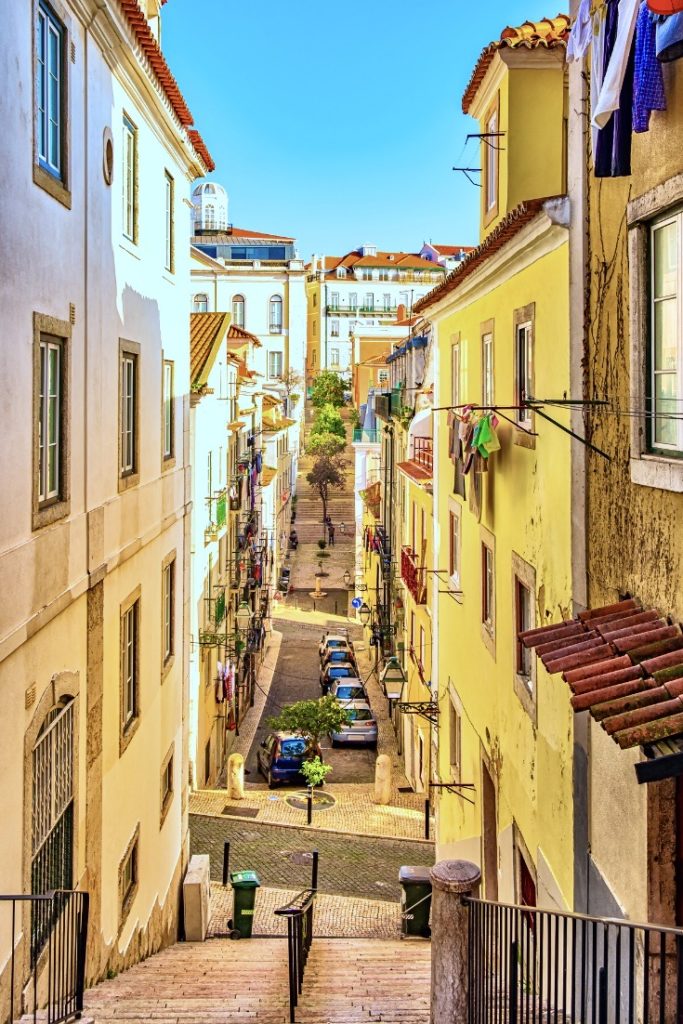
pixel 364 614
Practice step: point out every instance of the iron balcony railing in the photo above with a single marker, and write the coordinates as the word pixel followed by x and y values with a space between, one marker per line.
pixel 423 453
pixel 413 575
pixel 299 916
pixel 333 308
pixel 361 436
pixel 529 965
pixel 56 958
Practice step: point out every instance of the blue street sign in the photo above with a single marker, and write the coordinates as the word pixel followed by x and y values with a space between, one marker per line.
pixel 357 602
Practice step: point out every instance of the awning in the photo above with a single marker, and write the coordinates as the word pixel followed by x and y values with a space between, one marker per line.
pixel 623 664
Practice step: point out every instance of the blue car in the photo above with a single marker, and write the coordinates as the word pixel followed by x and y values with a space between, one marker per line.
pixel 280 757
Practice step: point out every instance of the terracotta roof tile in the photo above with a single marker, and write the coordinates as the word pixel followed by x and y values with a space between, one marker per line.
pixel 207 332
pixel 238 334
pixel 415 471
pixel 549 34
pixel 624 664
pixel 451 250
pixel 508 227
pixel 383 260
pixel 152 51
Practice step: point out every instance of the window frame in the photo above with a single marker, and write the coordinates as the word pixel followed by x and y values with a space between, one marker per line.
pixel 271 355
pixel 335 361
pixel 491 164
pixel 524 319
pixel 523 574
pixel 129 179
pixel 275 323
pixel 167 784
pixel 455 716
pixel 129 868
pixel 456 382
pixel 53 178
pixel 168 424
pixel 487 334
pixel 673 451
pixel 200 298
pixel 129 670
pixel 455 543
pixel 488 593
pixel 169 222
pixel 129 475
pixel 334 328
pixel 48 509
pixel 168 616
pixel 239 310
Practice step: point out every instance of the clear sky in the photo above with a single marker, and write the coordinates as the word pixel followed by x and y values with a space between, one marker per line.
pixel 338 124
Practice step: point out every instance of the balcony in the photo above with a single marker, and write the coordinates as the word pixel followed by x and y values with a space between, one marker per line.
pixel 413 575
pixel 361 436
pixel 377 310
pixel 341 309
pixel 218 509
pixel 422 453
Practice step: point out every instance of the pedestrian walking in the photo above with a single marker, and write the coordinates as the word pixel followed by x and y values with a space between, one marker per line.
pixel 330 530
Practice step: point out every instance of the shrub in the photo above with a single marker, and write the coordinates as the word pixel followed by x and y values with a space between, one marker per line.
pixel 328 389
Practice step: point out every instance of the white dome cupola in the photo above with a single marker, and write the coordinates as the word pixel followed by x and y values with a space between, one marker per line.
pixel 209 207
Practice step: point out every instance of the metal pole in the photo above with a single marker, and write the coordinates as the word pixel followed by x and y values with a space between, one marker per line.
pixel 427 808
pixel 309 802
pixel 314 870
pixel 226 861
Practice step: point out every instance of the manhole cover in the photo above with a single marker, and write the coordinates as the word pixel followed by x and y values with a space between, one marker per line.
pixel 321 801
pixel 240 812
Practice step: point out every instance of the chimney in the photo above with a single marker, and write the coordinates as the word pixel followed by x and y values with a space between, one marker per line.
pixel 314 263
pixel 400 312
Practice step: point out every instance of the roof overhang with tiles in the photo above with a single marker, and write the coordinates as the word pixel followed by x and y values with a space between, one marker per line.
pixel 624 664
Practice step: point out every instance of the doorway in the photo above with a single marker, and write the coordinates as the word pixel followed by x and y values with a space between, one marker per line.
pixel 489 834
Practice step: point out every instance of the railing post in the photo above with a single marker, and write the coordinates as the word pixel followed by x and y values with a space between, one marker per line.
pixel 226 861
pixel 314 870
pixel 451 880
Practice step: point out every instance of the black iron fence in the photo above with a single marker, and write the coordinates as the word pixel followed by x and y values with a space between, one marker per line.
pixel 48 971
pixel 531 965
pixel 299 915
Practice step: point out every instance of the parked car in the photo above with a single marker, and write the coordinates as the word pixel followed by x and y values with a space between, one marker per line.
pixel 280 757
pixel 348 690
pixel 334 641
pixel 329 675
pixel 361 726
pixel 337 656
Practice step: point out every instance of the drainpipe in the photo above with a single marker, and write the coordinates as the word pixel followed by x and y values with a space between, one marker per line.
pixel 325 307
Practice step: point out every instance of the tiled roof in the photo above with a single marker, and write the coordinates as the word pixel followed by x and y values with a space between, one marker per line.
pixel 245 233
pixel 548 33
pixel 152 51
pixel 271 401
pixel 383 260
pixel 452 250
pixel 624 664
pixel 207 332
pixel 268 474
pixel 508 227
pixel 238 334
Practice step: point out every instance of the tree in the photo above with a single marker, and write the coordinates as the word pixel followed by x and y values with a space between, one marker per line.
pixel 311 719
pixel 328 389
pixel 326 444
pixel 326 473
pixel 328 421
pixel 291 382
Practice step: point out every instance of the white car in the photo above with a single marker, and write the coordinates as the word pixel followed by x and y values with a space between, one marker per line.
pixel 334 642
pixel 361 726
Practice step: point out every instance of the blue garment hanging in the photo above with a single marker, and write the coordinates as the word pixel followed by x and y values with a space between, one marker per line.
pixel 648 80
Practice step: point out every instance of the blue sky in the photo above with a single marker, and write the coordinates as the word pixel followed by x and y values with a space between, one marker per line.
pixel 339 124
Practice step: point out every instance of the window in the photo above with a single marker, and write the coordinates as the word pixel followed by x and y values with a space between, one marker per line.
pixel 315 300
pixel 168 610
pixel 487 368
pixel 665 363
pixel 166 784
pixel 129 179
pixel 455 374
pixel 341 271
pixel 454 738
pixel 276 315
pixel 423 648
pixel 50 417
pixel 487 587
pixel 454 544
pixel 523 622
pixel 238 310
pixel 51 92
pixel 369 301
pixel 169 261
pixel 129 875
pixel 353 301
pixel 334 300
pixel 130 663
pixel 523 370
pixel 129 414
pixel 490 154
pixel 334 328
pixel 200 303
pixel 334 356
pixel 209 216
pixel 275 364
pixel 169 417
pixel 130 872
pixel 386 301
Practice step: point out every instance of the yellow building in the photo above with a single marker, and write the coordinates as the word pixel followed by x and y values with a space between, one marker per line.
pixel 503 523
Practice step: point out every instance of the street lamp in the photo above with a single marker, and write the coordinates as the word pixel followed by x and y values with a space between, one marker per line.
pixel 243 617
pixel 392 679
pixel 364 614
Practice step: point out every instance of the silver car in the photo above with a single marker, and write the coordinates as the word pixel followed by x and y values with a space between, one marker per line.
pixel 361 726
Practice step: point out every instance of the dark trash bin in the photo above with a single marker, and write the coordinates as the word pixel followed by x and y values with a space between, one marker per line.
pixel 244 886
pixel 416 900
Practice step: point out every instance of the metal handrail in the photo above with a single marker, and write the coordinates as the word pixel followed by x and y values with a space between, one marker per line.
pixel 299 916
pixel 58 936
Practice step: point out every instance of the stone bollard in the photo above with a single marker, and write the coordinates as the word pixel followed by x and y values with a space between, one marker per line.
pixel 383 779
pixel 236 777
pixel 451 880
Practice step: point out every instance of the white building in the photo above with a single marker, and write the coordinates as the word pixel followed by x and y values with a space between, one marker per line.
pixel 94 509
pixel 360 290
pixel 447 256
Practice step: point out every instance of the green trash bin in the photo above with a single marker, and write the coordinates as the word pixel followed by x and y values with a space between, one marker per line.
pixel 416 900
pixel 244 886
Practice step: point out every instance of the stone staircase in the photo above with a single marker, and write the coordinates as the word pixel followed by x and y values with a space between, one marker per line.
pixel 219 982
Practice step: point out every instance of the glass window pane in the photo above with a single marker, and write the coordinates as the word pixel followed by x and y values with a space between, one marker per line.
pixel 666 335
pixel 666 260
pixel 665 430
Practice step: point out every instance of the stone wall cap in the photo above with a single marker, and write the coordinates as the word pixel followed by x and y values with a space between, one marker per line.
pixel 456 876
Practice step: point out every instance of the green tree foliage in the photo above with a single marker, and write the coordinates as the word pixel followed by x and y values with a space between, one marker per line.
pixel 328 389
pixel 326 473
pixel 315 772
pixel 325 444
pixel 328 421
pixel 311 719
